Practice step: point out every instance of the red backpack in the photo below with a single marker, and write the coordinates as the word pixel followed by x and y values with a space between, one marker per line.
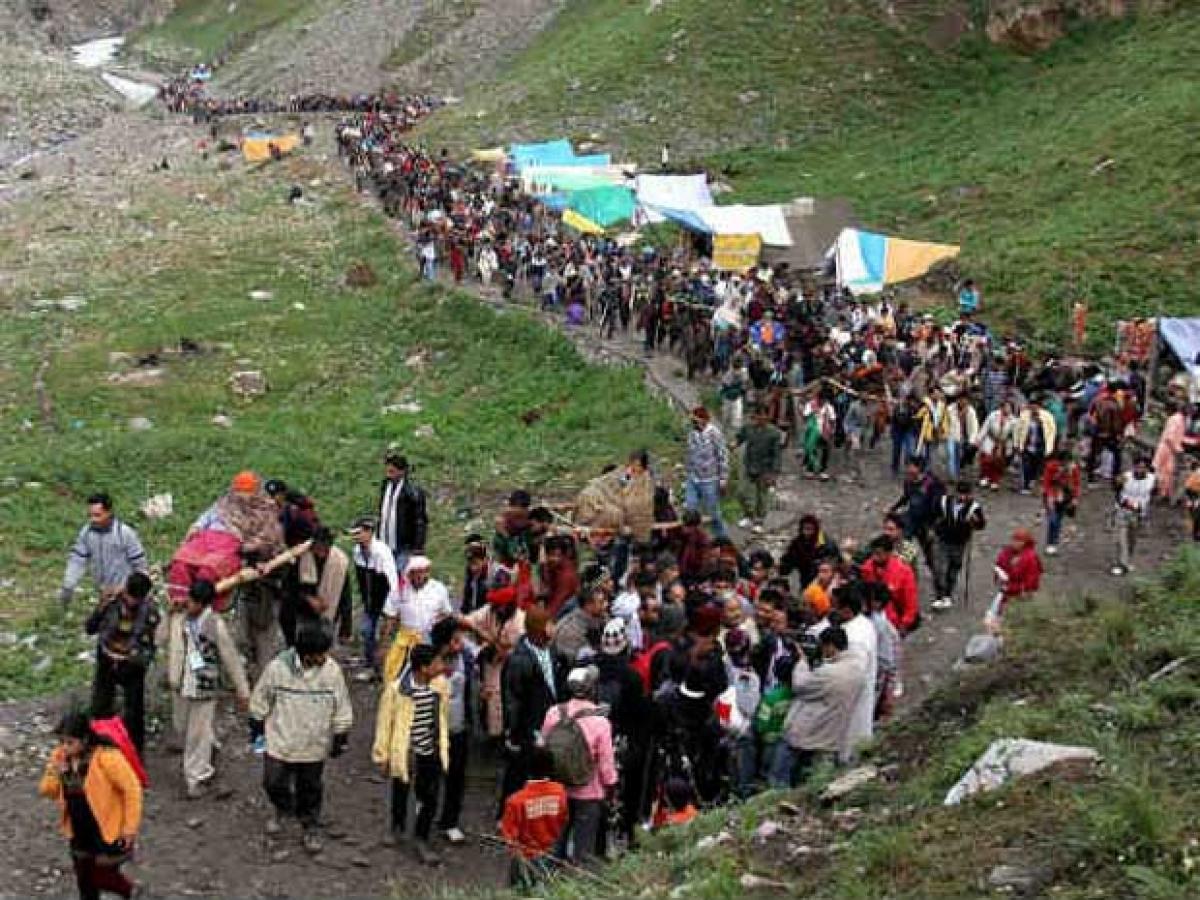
pixel 114 730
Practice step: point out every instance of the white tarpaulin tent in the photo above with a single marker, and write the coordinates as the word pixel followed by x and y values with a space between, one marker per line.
pixel 678 192
pixel 766 221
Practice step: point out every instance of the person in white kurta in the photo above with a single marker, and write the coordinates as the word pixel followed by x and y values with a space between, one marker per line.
pixel 863 641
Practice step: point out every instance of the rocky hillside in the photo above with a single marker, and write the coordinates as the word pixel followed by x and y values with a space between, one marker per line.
pixel 286 46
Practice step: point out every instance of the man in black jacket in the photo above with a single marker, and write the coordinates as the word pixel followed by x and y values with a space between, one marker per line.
pixel 533 680
pixel 957 519
pixel 403 518
pixel 124 626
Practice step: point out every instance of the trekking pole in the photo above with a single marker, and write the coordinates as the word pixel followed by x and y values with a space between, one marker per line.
pixel 967 576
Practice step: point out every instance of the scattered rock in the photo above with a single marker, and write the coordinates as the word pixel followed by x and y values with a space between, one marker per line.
pixel 280 855
pixel 72 303
pixel 747 97
pixel 788 808
pixel 261 295
pixel 713 840
pixel 767 830
pixel 8 638
pixel 361 861
pixel 846 784
pixel 1010 758
pixel 424 431
pixel 408 407
pixel 137 378
pixel 360 275
pixel 1025 880
pixel 250 383
pixel 140 423
pixel 982 648
pixel 222 421
pixel 160 506
pixel 194 822
pixel 752 882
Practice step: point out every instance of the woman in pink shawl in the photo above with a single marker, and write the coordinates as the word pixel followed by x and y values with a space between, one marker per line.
pixel 1170 448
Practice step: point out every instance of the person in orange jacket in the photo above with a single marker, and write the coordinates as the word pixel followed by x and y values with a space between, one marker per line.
pixel 101 801
pixel 534 820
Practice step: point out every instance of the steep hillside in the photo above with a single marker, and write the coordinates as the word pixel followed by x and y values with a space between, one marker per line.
pixel 709 74
pixel 286 46
pixel 1069 176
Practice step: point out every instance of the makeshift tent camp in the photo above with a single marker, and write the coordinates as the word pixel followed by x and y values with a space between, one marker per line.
pixel 603 205
pixel 258 148
pixel 867 261
pixel 1183 337
pixel 677 192
pixel 814 225
pixel 765 221
pixel 548 153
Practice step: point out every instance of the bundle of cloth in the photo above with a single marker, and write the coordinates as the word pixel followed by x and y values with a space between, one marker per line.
pixel 242 527
pixel 618 500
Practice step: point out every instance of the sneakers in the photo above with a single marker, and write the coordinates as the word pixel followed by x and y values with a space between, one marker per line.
pixel 1052 549
pixel 942 603
pixel 744 523
pixel 898 689
pixel 757 529
pixel 312 841
pixel 983 482
pixel 274 826
pixel 426 855
pixel 1117 570
pixel 455 835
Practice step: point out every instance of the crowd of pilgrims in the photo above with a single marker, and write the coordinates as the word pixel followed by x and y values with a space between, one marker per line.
pixel 621 680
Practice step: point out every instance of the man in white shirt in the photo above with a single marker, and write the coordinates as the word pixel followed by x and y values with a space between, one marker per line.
pixel 420 602
pixel 863 642
pixel 378 583
pixel 1134 492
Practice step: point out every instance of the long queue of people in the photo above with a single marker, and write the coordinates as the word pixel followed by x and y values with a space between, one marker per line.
pixel 622 684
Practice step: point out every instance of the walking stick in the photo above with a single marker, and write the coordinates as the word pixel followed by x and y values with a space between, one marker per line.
pixel 967 575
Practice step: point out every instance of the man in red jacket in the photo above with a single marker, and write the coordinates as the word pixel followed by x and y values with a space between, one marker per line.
pixel 885 567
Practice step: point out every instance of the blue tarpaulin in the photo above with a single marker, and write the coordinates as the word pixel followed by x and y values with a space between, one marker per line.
pixel 548 153
pixel 685 217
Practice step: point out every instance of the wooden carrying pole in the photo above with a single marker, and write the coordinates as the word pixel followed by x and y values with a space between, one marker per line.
pixel 247 575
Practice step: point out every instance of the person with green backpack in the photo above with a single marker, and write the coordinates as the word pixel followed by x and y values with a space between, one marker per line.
pixel 579 737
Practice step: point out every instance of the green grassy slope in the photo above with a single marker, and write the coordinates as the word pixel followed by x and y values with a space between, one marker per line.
pixel 702 74
pixel 1076 673
pixel 199 30
pixel 973 145
pixel 181 261
pixel 1070 176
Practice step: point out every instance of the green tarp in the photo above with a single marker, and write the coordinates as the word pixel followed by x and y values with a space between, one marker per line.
pixel 603 205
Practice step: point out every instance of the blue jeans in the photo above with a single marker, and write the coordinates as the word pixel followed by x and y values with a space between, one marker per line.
pixel 904 442
pixel 1054 520
pixel 953 453
pixel 429 269
pixel 369 628
pixel 705 496
pixel 779 760
pixel 745 765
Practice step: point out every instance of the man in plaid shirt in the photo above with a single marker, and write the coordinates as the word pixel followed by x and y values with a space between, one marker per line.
pixel 707 469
